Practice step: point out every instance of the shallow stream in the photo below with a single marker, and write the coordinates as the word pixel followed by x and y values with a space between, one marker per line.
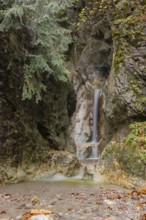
pixel 69 200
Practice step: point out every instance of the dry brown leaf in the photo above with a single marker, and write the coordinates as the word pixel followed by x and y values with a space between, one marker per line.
pixel 142 191
pixel 34 212
pixel 7 196
pixel 3 212
pixel 98 202
pixel 143 217
pixel 27 214
pixel 140 205
pixel 34 199
pixel 92 194
pixel 70 209
pixel 138 192
pixel 41 211
pixel 116 196
pixel 121 207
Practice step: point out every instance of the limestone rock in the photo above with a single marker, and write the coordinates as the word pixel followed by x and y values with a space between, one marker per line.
pixel 91 69
pixel 28 129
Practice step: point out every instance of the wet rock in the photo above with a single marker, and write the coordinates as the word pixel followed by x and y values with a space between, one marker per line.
pixel 88 174
pixel 55 162
pixel 91 72
pixel 58 162
pixel 20 176
pixel 29 130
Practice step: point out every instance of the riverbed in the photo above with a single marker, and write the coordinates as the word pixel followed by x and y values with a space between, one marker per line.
pixel 71 200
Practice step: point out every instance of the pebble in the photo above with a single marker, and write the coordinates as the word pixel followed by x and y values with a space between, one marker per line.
pixel 77 202
pixel 41 217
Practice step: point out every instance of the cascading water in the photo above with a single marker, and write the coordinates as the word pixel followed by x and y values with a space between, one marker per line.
pixel 90 169
pixel 94 152
pixel 93 145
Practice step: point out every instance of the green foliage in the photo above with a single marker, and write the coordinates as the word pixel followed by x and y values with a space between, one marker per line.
pixel 137 136
pixel 131 153
pixel 92 12
pixel 143 156
pixel 12 18
pixel 131 140
pixel 137 139
pixel 103 11
pixel 41 41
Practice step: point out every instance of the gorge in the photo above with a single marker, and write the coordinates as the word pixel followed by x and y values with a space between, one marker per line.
pixel 72 109
pixel 41 131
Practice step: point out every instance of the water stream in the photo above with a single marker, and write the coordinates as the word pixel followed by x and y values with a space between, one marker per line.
pixel 95 139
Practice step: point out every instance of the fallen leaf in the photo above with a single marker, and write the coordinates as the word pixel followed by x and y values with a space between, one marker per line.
pixel 34 200
pixel 41 211
pixel 142 191
pixel 70 209
pixel 3 212
pixel 98 202
pixel 74 194
pixel 34 212
pixel 140 205
pixel 143 217
pixel 121 207
pixel 27 214
pixel 116 196
pixel 92 194
pixel 7 196
pixel 138 192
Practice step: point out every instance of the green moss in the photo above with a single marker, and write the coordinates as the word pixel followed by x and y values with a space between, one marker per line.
pixel 131 154
pixel 135 87
pixel 111 150
pixel 127 30
pixel 143 156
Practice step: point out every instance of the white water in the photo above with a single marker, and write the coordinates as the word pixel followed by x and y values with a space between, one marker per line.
pixel 94 152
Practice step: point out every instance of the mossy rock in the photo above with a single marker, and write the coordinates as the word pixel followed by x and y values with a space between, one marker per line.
pixel 130 154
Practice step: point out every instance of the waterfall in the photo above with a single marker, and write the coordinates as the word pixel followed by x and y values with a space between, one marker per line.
pixel 94 152
pixel 93 145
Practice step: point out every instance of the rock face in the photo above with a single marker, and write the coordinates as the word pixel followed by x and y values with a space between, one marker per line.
pixel 120 49
pixel 125 90
pixel 53 162
pixel 91 65
pixel 125 102
pixel 28 65
pixel 28 129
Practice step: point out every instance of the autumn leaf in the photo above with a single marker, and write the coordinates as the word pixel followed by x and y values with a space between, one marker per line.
pixel 70 209
pixel 7 196
pixel 143 217
pixel 34 212
pixel 140 205
pixel 34 200
pixel 116 196
pixel 41 211
pixel 3 212
pixel 142 191
pixel 98 202
pixel 138 192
